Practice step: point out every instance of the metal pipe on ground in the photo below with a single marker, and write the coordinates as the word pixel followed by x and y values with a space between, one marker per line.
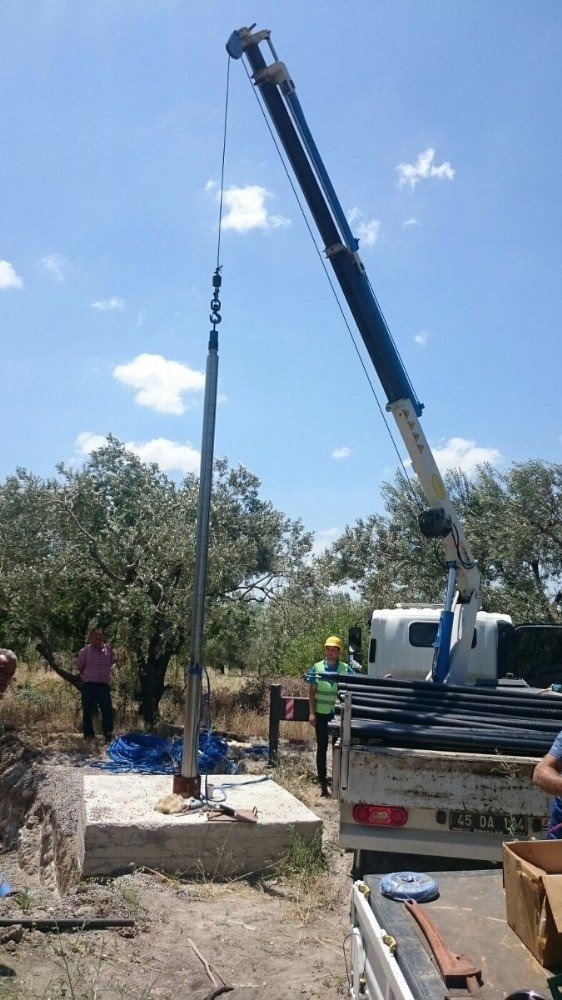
pixel 65 923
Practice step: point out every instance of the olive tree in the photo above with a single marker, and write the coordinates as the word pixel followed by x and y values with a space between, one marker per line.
pixel 113 542
pixel 513 521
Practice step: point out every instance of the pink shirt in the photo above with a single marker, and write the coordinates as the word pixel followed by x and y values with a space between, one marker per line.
pixel 95 664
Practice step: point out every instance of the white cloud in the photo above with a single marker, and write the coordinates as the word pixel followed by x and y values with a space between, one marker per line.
pixel 323 539
pixel 8 276
pixel 114 302
pixel 410 222
pixel 210 185
pixel 87 441
pixel 343 452
pixel 170 456
pixel 411 173
pixel 246 209
pixel 367 230
pixel 55 264
pixel 421 338
pixel 461 453
pixel 160 383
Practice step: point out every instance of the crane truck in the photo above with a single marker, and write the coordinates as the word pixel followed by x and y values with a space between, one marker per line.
pixel 427 799
pixel 433 800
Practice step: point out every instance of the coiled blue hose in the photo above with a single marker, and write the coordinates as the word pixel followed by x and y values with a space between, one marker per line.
pixel 409 885
pixel 147 754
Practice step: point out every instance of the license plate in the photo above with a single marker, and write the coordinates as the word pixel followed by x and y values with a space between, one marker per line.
pixel 475 822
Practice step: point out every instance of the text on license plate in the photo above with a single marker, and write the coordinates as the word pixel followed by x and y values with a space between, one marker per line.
pixel 488 823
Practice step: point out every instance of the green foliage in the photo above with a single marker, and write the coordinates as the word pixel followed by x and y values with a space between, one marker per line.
pixel 513 521
pixel 113 543
pixel 289 634
pixel 25 901
pixel 34 696
pixel 303 859
pixel 131 896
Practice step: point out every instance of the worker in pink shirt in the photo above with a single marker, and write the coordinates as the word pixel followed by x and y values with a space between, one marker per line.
pixel 94 663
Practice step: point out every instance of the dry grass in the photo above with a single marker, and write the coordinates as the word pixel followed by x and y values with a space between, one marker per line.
pixel 41 703
pixel 40 699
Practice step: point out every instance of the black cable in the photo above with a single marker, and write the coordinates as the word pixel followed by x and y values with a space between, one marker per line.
pixel 223 158
pixel 465 563
pixel 348 970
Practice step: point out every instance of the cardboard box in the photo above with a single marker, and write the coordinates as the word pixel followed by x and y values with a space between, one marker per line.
pixel 532 875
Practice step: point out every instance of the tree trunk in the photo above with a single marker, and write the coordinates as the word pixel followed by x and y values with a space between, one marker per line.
pixel 46 652
pixel 152 676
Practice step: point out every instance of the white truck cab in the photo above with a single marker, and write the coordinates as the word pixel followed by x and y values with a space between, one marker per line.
pixel 402 639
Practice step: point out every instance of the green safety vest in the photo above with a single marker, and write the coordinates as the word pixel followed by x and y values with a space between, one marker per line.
pixel 326 688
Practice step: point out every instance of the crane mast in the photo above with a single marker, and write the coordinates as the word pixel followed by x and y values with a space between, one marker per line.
pixel 462 597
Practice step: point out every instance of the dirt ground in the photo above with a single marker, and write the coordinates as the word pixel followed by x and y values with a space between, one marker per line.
pixel 276 935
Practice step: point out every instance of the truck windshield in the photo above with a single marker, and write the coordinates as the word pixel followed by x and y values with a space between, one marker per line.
pixel 538 654
pixel 424 634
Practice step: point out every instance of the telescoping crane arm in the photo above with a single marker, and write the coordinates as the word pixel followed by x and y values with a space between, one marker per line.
pixel 462 599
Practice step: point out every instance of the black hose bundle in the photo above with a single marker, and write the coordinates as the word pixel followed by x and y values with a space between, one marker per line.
pixel 423 715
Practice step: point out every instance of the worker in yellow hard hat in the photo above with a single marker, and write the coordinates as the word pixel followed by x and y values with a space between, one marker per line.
pixel 323 689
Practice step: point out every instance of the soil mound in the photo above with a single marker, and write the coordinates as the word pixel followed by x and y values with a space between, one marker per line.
pixel 40 805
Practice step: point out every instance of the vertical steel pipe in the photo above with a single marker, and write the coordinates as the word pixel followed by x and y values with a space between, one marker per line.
pixel 187 783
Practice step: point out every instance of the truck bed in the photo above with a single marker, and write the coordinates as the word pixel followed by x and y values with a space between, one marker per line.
pixel 470 915
pixel 447 795
pixel 441 779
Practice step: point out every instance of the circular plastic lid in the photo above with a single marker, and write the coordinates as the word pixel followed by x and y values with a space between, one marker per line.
pixel 409 885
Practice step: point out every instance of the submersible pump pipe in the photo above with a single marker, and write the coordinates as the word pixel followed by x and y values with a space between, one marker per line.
pixel 188 782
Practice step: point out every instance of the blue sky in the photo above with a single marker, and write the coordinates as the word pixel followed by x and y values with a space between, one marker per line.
pixel 440 126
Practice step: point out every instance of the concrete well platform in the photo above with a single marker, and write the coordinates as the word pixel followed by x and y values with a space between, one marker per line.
pixel 120 827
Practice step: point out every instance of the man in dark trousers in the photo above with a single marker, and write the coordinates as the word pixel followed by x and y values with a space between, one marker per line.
pixel 94 664
pixel 323 680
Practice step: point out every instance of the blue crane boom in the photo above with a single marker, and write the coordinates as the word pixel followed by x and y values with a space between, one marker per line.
pixel 462 598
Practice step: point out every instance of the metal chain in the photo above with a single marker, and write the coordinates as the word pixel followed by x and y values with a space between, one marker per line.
pixel 215 306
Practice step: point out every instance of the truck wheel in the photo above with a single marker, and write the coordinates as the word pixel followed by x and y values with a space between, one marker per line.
pixel 357 868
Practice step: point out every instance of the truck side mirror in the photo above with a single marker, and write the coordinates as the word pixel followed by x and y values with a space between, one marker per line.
pixel 354 641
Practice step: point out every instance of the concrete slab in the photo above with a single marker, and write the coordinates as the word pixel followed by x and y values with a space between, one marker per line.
pixel 120 827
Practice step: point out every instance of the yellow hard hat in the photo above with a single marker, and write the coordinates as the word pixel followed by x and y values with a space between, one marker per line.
pixel 333 640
